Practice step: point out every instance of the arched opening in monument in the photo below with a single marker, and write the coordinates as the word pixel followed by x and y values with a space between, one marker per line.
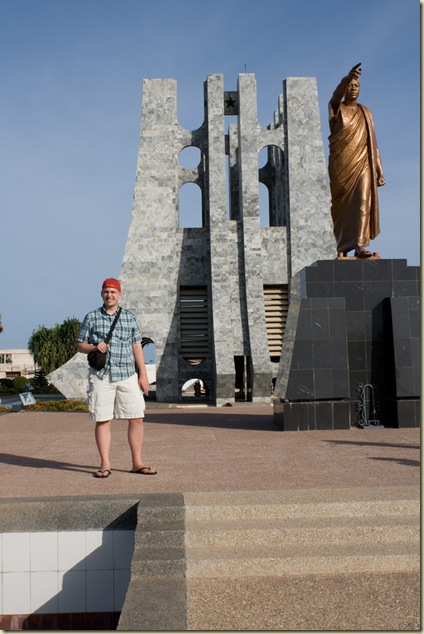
pixel 190 157
pixel 227 188
pixel 263 205
pixel 149 351
pixel 195 390
pixel 262 157
pixel 191 117
pixel 190 214
pixel 272 194
pixel 243 378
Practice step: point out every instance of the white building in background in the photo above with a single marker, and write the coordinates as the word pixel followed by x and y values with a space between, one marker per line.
pixel 20 362
pixel 16 362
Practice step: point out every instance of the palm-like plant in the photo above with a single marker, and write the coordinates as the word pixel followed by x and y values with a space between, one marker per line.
pixel 52 347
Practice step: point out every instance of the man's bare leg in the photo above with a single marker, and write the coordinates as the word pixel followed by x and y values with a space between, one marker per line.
pixel 135 441
pixel 103 439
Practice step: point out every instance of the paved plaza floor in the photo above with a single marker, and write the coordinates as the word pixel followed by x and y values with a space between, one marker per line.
pixel 199 449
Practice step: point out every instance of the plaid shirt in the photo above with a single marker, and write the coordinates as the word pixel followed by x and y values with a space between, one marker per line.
pixel 119 358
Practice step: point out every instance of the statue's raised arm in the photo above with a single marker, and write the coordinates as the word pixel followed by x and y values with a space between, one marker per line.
pixel 340 91
pixel 355 169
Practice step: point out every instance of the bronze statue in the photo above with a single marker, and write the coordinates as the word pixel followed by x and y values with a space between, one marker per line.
pixel 354 168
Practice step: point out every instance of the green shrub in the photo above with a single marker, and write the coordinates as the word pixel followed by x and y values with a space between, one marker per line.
pixel 58 406
pixel 20 383
pixel 5 409
pixel 7 384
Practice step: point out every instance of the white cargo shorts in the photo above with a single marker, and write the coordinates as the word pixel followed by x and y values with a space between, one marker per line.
pixel 117 399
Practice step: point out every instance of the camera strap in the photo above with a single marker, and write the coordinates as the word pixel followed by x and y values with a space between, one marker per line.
pixel 109 334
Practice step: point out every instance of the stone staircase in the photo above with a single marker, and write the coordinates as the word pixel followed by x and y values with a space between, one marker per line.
pixel 156 597
pixel 333 559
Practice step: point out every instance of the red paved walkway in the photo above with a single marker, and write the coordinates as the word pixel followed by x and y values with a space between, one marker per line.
pixel 199 449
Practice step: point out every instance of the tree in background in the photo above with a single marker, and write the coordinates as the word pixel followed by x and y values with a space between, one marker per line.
pixel 52 347
pixel 40 382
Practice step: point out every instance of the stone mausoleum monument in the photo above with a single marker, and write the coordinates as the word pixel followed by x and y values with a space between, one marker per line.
pixel 214 299
pixel 243 307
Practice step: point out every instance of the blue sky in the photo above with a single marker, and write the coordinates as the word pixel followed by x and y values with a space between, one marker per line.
pixel 71 73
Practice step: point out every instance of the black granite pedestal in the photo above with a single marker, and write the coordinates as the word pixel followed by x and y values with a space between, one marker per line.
pixel 351 323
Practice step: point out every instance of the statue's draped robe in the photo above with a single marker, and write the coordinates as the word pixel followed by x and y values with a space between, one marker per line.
pixel 352 167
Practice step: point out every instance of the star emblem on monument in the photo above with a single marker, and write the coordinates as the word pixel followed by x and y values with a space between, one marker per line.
pixel 231 103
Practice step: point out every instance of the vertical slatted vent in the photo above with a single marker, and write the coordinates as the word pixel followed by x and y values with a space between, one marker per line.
pixel 194 335
pixel 276 309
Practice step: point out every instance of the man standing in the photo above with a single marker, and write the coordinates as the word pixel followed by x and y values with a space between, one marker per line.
pixel 114 391
pixel 355 169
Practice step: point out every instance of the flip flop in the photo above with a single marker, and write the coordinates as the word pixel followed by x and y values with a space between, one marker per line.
pixel 145 471
pixel 105 473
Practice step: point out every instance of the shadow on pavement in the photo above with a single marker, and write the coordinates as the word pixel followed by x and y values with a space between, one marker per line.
pixel 39 463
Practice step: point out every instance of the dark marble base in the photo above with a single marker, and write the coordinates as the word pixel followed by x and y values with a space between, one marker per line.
pixel 409 412
pixel 308 416
pixel 351 323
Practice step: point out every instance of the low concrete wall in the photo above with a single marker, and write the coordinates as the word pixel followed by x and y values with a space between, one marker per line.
pixel 65 557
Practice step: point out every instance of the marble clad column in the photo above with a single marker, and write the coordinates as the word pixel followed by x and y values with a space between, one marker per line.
pixel 310 227
pixel 238 301
pixel 249 212
pixel 221 253
pixel 149 272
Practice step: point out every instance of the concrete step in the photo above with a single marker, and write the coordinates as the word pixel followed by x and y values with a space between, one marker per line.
pixel 260 560
pixel 302 504
pixel 334 536
pixel 290 560
pixel 352 549
pixel 275 533
pixel 267 526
